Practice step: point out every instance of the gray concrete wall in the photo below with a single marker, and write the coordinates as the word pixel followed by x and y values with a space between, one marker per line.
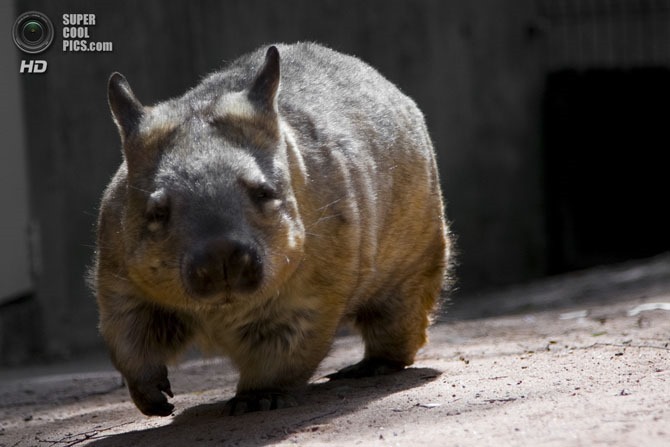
pixel 14 263
pixel 20 317
pixel 473 67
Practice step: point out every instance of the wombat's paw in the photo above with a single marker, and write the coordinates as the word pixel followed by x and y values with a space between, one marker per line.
pixel 149 395
pixel 368 367
pixel 260 400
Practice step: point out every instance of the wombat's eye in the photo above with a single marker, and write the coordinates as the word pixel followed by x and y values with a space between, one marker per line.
pixel 158 209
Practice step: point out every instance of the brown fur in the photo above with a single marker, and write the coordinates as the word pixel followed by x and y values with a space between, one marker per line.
pixel 356 231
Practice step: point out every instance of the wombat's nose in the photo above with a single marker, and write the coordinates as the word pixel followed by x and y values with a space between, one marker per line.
pixel 222 265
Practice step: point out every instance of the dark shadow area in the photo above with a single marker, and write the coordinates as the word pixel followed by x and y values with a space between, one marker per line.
pixel 605 143
pixel 207 424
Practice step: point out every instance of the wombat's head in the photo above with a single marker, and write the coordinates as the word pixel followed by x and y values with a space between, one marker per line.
pixel 209 213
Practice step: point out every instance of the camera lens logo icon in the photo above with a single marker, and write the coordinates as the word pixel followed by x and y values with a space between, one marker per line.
pixel 33 32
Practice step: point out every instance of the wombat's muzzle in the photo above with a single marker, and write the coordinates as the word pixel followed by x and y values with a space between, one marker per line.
pixel 222 265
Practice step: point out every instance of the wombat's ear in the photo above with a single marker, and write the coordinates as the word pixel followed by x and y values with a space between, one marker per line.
pixel 264 89
pixel 126 109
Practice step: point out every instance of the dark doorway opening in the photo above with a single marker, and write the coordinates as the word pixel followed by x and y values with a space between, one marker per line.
pixel 606 135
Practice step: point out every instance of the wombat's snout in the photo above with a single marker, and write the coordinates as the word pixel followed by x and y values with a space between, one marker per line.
pixel 222 265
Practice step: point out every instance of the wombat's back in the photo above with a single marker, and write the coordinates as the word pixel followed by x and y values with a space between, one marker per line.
pixel 373 180
pixel 327 96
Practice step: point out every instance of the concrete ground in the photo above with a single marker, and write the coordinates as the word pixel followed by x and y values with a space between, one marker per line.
pixel 596 372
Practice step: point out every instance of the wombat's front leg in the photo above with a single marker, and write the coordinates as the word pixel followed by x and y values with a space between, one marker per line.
pixel 142 338
pixel 278 356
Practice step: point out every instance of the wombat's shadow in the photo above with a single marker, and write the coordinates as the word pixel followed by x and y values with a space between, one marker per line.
pixel 207 424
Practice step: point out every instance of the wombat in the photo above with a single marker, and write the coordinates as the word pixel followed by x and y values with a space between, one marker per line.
pixel 259 211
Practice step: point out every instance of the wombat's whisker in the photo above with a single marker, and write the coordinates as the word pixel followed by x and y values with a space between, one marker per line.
pixel 330 204
pixel 324 218
pixel 120 277
pixel 136 188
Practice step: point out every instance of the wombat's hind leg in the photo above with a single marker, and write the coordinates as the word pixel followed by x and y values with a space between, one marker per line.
pixel 394 323
pixel 259 400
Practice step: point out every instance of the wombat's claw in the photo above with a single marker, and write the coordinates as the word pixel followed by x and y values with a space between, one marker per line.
pixel 151 400
pixel 367 368
pixel 249 401
pixel 150 397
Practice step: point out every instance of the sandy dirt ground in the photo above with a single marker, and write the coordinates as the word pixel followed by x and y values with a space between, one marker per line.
pixel 596 374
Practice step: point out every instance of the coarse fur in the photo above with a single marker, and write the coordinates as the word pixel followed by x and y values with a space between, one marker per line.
pixel 291 191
